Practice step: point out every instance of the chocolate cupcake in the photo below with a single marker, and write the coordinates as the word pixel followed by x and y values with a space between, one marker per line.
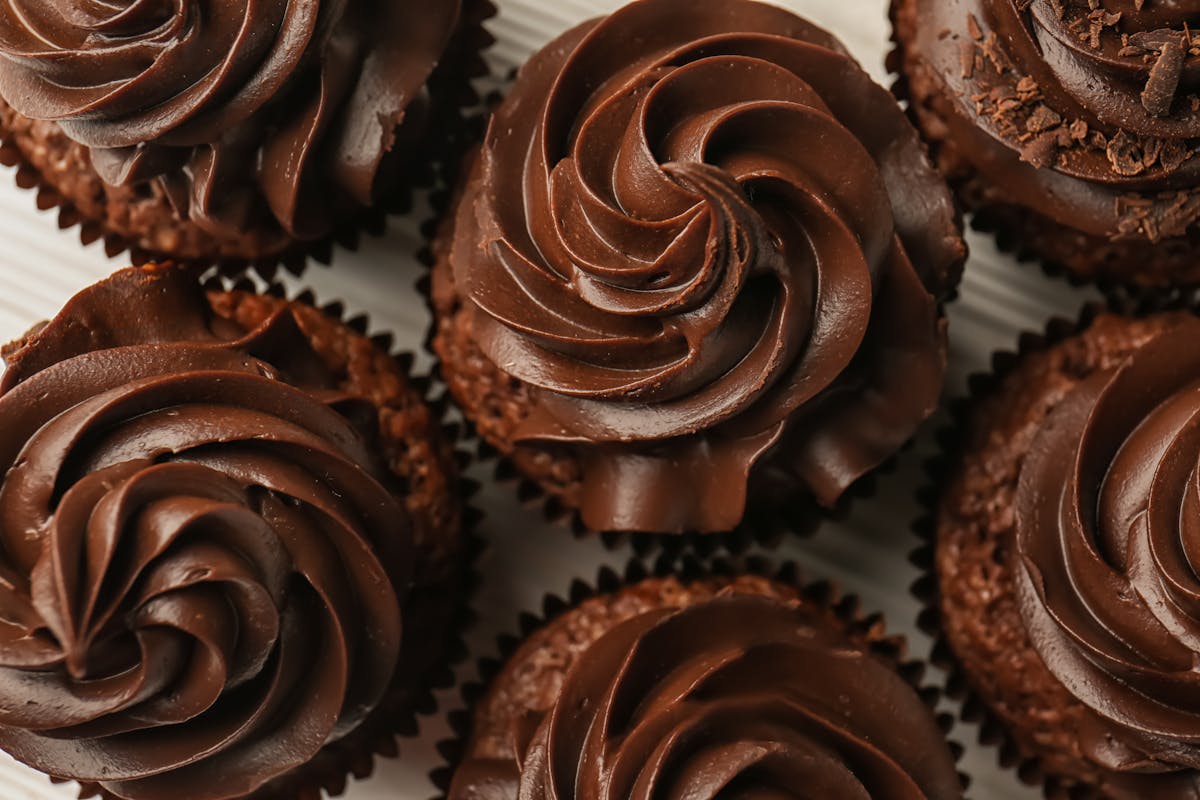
pixel 1066 582
pixel 700 252
pixel 232 545
pixel 1069 127
pixel 702 687
pixel 234 133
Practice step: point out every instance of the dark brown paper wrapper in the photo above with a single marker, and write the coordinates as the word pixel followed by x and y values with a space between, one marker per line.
pixel 354 756
pixel 452 126
pixel 938 469
pixel 822 594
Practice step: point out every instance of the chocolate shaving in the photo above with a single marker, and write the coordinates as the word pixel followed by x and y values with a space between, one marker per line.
pixel 995 54
pixel 1150 151
pixel 966 53
pixel 1028 90
pixel 1175 153
pixel 1043 118
pixel 1125 155
pixel 1098 20
pixel 1159 94
pixel 973 28
pixel 1168 217
pixel 1042 150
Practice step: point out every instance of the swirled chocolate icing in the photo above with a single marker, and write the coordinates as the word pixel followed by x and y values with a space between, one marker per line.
pixel 1108 561
pixel 247 113
pixel 701 233
pixel 739 696
pixel 1087 112
pixel 201 563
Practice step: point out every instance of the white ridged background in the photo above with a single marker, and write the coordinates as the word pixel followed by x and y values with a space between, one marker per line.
pixel 41 267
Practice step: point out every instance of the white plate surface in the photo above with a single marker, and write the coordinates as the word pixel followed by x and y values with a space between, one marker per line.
pixel 40 268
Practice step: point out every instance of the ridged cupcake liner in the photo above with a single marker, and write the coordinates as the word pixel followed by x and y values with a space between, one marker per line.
pixel 823 594
pixel 355 755
pixel 294 260
pixel 451 127
pixel 938 470
pixel 1010 225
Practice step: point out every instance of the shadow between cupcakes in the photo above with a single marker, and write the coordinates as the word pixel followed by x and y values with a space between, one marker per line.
pixel 422 451
pixel 423 161
pixel 841 610
pixel 1013 751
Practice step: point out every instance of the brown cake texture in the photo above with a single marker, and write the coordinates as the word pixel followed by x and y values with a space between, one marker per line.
pixel 976 595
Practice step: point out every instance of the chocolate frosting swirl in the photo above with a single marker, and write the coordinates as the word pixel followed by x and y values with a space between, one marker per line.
pixel 700 231
pixel 1107 561
pixel 201 565
pixel 735 697
pixel 247 113
pixel 1087 112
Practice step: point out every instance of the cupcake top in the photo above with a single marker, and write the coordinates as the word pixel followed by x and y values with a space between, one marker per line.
pixel 202 560
pixel 245 113
pixel 741 694
pixel 700 232
pixel 1100 99
pixel 1107 559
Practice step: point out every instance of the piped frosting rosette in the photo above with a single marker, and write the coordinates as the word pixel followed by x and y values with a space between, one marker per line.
pixel 701 233
pixel 1108 560
pixel 270 111
pixel 738 696
pixel 202 560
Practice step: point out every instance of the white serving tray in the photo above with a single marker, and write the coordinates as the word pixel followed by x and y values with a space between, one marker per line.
pixel 41 267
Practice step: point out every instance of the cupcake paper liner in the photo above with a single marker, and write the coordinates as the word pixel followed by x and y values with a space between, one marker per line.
pixel 938 470
pixel 822 594
pixel 451 127
pixel 354 756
